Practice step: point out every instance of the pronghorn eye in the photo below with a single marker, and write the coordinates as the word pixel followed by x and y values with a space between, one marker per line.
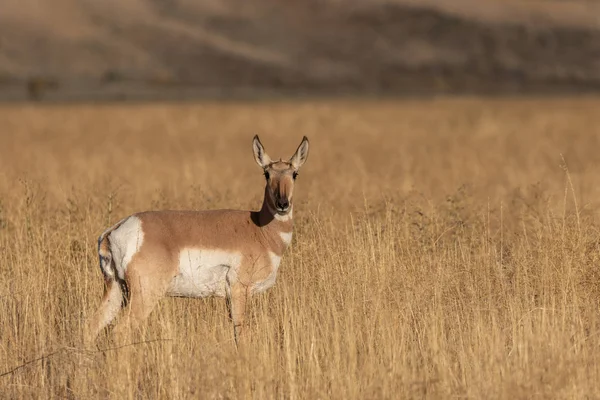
pixel 267 175
pixel 295 175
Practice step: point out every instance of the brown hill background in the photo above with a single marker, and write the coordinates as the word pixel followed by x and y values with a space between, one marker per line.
pixel 89 49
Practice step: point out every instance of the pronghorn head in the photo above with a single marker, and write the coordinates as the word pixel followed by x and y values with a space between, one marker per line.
pixel 280 175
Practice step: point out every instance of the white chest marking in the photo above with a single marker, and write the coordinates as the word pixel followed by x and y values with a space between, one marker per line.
pixel 203 272
pixel 286 237
pixel 270 280
pixel 125 241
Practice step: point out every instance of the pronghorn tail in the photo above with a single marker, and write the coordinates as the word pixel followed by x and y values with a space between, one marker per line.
pixel 107 264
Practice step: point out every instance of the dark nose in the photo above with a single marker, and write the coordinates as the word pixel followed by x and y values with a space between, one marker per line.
pixel 282 204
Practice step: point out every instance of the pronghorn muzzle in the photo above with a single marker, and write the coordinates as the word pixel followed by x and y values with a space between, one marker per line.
pixel 282 204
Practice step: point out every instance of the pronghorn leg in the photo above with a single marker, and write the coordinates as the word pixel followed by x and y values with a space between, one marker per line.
pixel 237 296
pixel 107 311
pixel 144 293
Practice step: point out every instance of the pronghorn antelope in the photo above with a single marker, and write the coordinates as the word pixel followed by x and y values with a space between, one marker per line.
pixel 225 253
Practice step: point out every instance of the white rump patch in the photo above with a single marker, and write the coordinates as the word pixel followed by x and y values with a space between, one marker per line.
pixel 270 280
pixel 203 272
pixel 286 237
pixel 125 242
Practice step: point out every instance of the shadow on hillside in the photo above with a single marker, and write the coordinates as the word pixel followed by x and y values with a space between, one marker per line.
pixel 330 50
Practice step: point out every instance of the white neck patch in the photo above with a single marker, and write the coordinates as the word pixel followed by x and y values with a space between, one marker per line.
pixel 286 237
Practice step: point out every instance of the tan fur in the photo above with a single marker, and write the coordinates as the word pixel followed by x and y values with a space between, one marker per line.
pixel 169 232
pixel 256 236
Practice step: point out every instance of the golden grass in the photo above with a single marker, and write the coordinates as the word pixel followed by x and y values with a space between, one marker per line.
pixel 442 249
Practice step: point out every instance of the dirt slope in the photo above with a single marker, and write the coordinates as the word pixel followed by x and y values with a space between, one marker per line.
pixel 185 48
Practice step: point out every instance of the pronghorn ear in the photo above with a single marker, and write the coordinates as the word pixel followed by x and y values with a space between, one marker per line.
pixel 261 158
pixel 301 154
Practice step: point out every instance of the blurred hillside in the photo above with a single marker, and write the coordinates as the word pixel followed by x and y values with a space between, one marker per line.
pixel 89 49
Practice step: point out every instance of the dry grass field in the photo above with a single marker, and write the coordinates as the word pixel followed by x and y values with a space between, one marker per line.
pixel 442 249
